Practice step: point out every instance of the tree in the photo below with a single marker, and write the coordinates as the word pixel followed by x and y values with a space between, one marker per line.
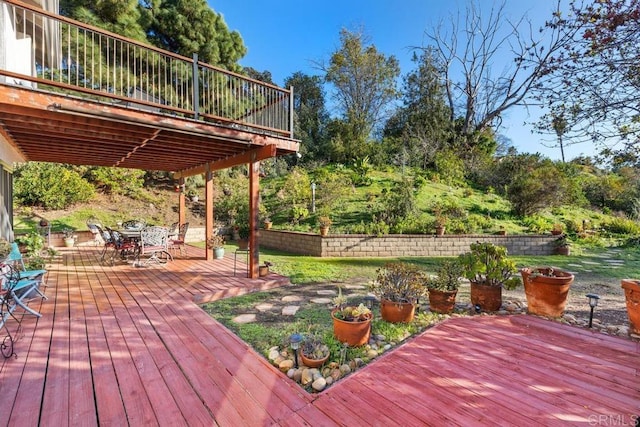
pixel 118 16
pixel 422 124
pixel 477 95
pixel 597 75
pixel 191 26
pixel 364 81
pixel 310 115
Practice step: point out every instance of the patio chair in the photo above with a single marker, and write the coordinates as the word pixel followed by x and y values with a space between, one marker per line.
pixel 177 243
pixel 122 246
pixel 154 242
pixel 94 227
pixel 14 292
pixel 16 261
pixel 109 243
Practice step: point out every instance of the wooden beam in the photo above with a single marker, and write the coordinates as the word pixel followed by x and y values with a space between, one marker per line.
pixel 249 156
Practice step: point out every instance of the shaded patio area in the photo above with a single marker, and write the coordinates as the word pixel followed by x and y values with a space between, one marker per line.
pixel 129 346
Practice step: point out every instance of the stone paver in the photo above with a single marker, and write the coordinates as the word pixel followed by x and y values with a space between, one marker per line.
pixel 245 318
pixel 292 298
pixel 265 306
pixel 290 310
pixel 326 292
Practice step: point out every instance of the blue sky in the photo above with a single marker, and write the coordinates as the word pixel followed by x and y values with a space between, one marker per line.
pixel 285 36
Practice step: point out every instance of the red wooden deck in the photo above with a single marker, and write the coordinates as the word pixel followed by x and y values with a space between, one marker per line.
pixel 128 346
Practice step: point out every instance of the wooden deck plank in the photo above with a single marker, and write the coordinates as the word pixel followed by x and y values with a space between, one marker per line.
pixel 153 357
pixel 107 398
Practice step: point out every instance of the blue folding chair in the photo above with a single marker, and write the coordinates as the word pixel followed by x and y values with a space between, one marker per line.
pixel 14 292
pixel 16 260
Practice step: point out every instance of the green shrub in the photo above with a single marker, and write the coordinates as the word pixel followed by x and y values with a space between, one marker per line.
pixel 537 224
pixel 50 185
pixel 127 182
pixel 621 226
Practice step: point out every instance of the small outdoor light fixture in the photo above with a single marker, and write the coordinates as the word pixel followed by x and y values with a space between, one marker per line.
pixel 295 340
pixel 369 300
pixel 593 302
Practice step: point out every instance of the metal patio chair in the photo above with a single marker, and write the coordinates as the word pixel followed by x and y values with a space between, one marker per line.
pixel 154 242
pixel 177 242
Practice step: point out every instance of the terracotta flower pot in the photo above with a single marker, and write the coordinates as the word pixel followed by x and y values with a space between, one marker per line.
pixel 353 333
pixel 632 295
pixel 397 312
pixel 313 363
pixel 487 297
pixel 263 270
pixel 442 302
pixel 546 295
pixel 324 231
pixel 440 230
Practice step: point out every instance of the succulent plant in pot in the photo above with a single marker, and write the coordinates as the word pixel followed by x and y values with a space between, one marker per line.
pixel 489 269
pixel 443 287
pixel 314 352
pixel 399 286
pixel 351 324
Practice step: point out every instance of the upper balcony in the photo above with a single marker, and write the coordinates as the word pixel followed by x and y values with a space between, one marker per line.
pixel 72 93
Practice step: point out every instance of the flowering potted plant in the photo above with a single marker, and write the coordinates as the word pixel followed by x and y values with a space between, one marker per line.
pixel 216 242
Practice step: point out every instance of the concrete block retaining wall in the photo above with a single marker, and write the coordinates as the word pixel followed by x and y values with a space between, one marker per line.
pixel 359 245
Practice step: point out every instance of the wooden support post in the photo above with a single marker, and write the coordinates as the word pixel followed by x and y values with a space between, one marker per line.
pixel 209 224
pixel 254 195
pixel 181 206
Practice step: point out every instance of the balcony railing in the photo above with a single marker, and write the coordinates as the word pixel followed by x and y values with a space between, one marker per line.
pixel 55 53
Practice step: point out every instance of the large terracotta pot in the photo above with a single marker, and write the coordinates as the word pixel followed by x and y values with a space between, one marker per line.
pixel 487 297
pixel 546 294
pixel 353 333
pixel 397 312
pixel 442 302
pixel 632 295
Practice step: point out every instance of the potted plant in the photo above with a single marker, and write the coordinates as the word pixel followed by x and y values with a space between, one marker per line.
pixel 351 325
pixel 69 238
pixel 632 297
pixel 443 287
pixel 267 223
pixel 216 242
pixel 399 286
pixel 192 194
pixel 314 352
pixel 324 222
pixel 440 224
pixel 557 229
pixel 562 246
pixel 243 236
pixel 263 270
pixel 546 289
pixel 488 269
